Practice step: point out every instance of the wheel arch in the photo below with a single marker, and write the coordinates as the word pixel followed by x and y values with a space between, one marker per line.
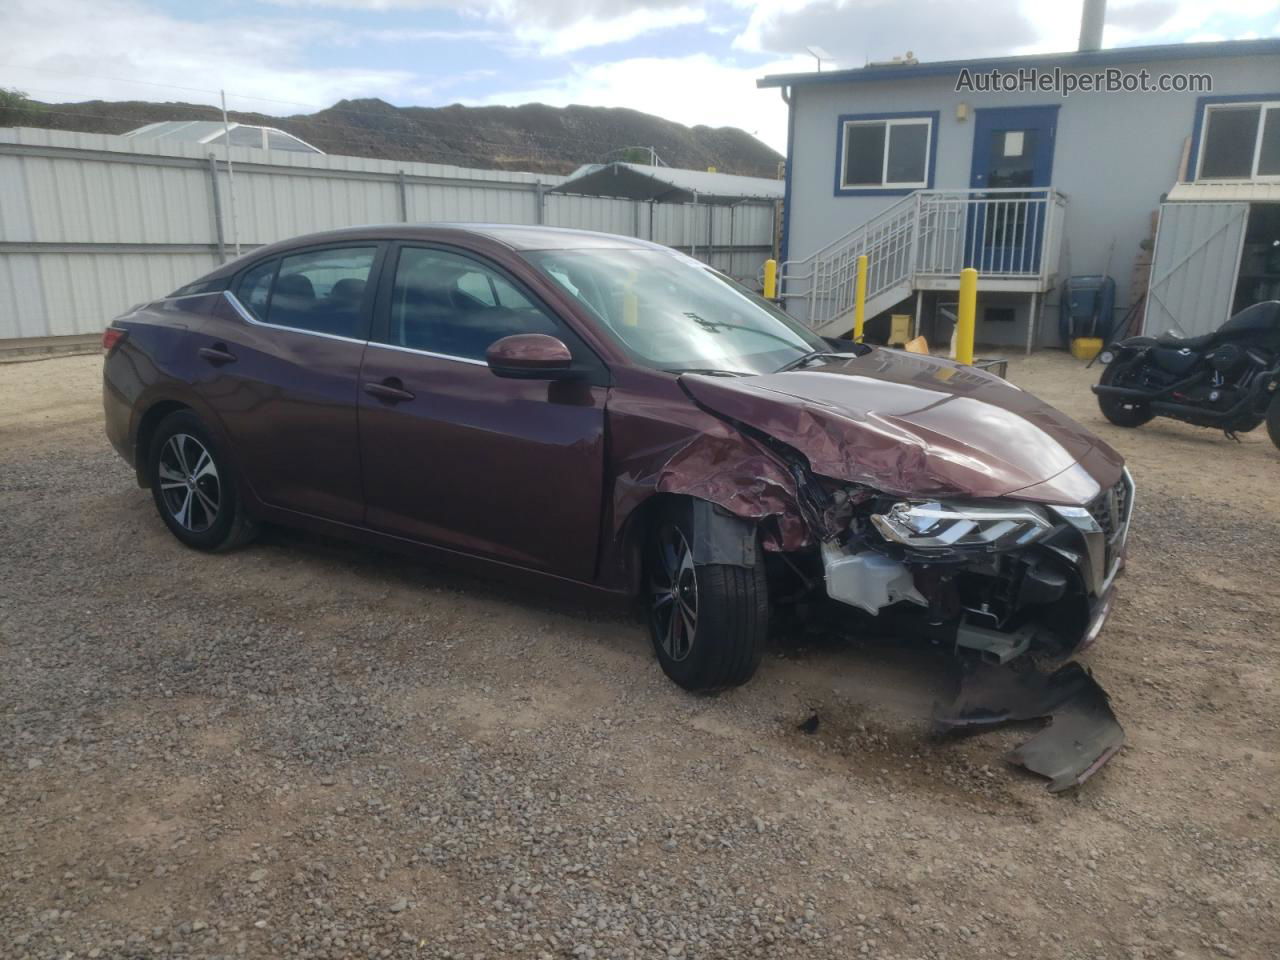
pixel 159 406
pixel 150 420
pixel 719 535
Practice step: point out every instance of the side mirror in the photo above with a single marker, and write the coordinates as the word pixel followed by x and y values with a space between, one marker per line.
pixel 530 356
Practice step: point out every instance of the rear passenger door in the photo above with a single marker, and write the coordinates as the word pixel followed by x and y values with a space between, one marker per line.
pixel 281 367
pixel 455 456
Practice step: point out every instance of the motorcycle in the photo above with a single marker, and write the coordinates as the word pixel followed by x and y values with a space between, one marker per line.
pixel 1229 379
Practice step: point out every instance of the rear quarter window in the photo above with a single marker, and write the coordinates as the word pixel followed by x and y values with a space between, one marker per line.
pixel 201 286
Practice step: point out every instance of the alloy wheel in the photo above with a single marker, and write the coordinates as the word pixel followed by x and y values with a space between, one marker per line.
pixel 673 593
pixel 189 483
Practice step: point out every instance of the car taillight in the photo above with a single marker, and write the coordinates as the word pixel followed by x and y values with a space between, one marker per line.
pixel 110 337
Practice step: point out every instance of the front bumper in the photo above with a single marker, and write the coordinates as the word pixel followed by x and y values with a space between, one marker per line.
pixel 1054 594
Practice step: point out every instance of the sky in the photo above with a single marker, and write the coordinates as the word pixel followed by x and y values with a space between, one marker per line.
pixel 692 61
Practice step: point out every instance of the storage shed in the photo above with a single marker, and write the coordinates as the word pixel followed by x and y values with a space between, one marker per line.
pixel 635 181
pixel 1217 251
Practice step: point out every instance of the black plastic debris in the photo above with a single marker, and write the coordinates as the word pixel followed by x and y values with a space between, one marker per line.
pixel 1083 732
pixel 808 726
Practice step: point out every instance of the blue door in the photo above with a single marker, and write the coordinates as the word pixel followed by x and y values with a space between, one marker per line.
pixel 1012 157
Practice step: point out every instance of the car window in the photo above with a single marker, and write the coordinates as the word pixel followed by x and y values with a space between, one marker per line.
pixel 673 313
pixel 446 303
pixel 321 291
pixel 255 288
pixel 477 285
pixel 200 287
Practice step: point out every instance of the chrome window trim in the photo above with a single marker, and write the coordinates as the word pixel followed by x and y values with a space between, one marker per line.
pixel 254 321
pixel 428 353
pixel 249 318
pixel 189 296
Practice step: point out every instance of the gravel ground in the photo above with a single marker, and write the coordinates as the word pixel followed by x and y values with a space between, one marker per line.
pixel 308 749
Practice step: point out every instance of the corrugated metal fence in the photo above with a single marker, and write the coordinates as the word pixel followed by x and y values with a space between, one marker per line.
pixel 91 224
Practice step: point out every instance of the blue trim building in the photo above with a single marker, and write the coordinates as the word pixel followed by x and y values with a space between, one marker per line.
pixel 1032 169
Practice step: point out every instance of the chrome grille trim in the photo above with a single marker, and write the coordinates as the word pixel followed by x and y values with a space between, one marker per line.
pixel 1104 527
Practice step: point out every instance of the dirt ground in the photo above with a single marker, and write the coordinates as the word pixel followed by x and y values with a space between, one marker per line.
pixel 311 749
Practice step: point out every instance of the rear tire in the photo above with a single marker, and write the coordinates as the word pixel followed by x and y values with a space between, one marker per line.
pixel 1123 413
pixel 1273 421
pixel 708 622
pixel 194 487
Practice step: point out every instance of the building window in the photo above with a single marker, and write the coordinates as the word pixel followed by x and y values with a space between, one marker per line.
pixel 885 153
pixel 1240 141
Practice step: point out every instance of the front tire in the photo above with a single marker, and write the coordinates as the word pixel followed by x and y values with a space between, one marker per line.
pixel 708 622
pixel 1123 413
pixel 193 486
pixel 1273 421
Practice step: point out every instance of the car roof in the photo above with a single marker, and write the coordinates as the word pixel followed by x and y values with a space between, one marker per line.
pixel 520 237
pixel 515 237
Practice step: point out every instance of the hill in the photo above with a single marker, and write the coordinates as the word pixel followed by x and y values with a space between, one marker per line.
pixel 532 137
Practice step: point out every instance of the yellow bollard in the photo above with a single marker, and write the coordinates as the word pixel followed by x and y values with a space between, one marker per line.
pixel 860 299
pixel 771 279
pixel 966 315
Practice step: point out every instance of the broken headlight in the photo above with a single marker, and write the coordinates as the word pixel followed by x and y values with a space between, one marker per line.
pixel 931 525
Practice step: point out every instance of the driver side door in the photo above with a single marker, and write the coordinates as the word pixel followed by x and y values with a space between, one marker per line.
pixel 455 456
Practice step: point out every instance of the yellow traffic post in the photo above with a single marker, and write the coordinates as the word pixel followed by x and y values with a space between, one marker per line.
pixel 966 315
pixel 860 299
pixel 771 279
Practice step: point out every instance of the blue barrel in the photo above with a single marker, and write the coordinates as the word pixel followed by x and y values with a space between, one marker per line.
pixel 1087 308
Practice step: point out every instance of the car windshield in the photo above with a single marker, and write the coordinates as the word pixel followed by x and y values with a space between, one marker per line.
pixel 675 314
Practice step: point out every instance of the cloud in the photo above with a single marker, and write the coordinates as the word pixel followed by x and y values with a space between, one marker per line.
pixel 543 27
pixel 595 32
pixel 122 50
pixel 1177 21
pixel 855 31
pixel 692 90
pixel 1143 15
pixel 542 13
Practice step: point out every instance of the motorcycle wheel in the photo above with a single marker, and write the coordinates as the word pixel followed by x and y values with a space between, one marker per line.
pixel 1124 413
pixel 1273 421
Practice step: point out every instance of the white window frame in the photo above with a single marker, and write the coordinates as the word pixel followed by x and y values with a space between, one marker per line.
pixel 885 183
pixel 1254 176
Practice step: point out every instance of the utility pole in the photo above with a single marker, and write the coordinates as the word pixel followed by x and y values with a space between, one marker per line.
pixel 231 177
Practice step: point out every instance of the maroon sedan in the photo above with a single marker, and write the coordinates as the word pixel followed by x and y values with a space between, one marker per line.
pixel 605 412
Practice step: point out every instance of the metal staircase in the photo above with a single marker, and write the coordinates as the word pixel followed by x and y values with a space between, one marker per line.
pixel 921 242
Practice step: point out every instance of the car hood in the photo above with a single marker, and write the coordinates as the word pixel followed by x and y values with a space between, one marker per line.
pixel 913 425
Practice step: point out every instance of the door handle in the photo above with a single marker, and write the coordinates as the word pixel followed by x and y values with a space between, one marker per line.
pixel 390 390
pixel 218 354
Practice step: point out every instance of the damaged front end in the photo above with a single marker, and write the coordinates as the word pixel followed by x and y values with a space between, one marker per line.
pixel 996 578
pixel 999 577
pixel 909 498
pixel 965 538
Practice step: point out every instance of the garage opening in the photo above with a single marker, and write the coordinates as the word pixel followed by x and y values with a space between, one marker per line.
pixel 1259 275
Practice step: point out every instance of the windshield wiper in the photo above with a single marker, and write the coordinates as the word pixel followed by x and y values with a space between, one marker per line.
pixel 706 371
pixel 805 360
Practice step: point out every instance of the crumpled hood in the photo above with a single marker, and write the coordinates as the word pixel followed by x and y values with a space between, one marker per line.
pixel 913 425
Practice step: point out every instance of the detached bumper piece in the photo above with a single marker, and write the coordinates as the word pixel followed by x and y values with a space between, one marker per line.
pixel 1083 732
